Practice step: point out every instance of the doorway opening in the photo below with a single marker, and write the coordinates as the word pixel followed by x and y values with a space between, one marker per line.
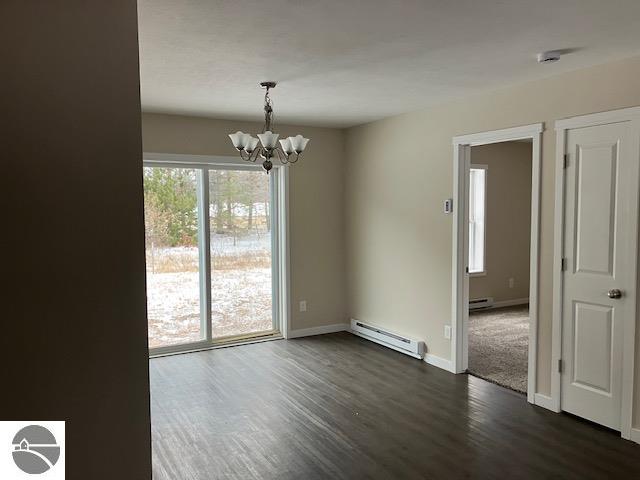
pixel 214 248
pixel 499 245
pixel 495 256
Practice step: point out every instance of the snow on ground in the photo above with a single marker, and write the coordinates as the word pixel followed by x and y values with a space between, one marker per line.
pixel 226 245
pixel 240 297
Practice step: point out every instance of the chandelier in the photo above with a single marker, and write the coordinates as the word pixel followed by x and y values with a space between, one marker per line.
pixel 288 150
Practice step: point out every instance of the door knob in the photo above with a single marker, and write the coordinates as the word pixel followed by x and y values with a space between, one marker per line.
pixel 614 293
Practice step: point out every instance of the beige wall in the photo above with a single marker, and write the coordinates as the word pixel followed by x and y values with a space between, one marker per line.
pixel 508 221
pixel 316 201
pixel 74 330
pixel 399 171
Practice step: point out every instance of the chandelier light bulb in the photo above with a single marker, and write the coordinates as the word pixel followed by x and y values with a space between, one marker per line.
pixel 239 139
pixel 299 143
pixel 251 145
pixel 268 139
pixel 286 146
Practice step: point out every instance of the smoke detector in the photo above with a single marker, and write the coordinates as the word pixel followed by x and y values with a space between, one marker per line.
pixel 549 56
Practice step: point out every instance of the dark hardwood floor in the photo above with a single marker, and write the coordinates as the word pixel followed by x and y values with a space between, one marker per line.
pixel 339 407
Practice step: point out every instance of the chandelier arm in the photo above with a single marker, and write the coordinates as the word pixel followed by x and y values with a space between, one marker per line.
pixel 255 154
pixel 297 157
pixel 242 154
pixel 284 158
pixel 249 157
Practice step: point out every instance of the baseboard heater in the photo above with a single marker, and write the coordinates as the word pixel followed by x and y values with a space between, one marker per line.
pixel 408 346
pixel 478 303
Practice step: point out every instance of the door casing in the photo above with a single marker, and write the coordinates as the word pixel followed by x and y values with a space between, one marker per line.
pixel 460 279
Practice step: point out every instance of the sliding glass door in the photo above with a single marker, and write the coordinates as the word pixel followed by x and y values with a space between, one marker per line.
pixel 212 247
pixel 241 252
pixel 172 250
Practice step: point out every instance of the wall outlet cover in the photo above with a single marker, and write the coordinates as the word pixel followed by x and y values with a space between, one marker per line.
pixel 303 305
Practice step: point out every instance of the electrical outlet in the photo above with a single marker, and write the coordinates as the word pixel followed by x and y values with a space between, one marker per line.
pixel 303 305
pixel 511 282
pixel 447 332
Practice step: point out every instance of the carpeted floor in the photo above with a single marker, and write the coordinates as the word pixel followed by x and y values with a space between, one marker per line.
pixel 498 346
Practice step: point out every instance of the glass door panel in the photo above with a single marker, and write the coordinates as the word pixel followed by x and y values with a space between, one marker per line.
pixel 173 255
pixel 240 216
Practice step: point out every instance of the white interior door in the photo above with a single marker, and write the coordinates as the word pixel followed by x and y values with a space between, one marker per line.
pixel 598 278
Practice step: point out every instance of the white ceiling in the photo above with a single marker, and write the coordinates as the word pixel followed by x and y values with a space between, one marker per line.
pixel 345 62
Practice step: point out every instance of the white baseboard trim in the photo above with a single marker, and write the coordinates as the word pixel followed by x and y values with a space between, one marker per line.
pixel 439 362
pixel 308 332
pixel 509 303
pixel 545 401
pixel 635 435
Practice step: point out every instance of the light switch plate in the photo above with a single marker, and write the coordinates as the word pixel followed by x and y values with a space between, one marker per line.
pixel 447 332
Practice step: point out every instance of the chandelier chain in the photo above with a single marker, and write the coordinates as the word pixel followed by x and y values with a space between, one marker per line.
pixel 268 111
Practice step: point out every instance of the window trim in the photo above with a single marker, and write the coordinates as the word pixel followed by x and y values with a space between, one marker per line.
pixel 483 272
pixel 280 256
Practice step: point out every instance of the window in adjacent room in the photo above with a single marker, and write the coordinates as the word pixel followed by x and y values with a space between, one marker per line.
pixel 477 216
